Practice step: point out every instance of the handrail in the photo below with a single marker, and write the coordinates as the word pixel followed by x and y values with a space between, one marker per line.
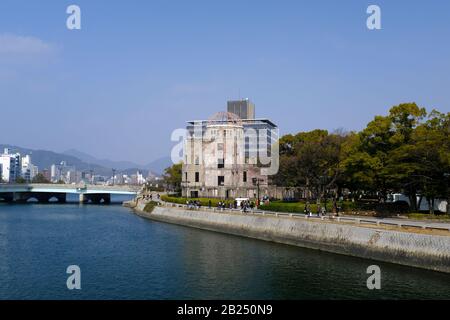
pixel 341 219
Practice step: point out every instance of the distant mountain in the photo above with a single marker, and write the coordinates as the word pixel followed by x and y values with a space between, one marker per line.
pixel 118 165
pixel 44 159
pixel 159 165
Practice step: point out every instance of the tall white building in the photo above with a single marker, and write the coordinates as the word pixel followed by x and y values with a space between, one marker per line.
pixel 11 166
pixel 54 172
pixel 63 172
pixel 29 171
pixel 140 178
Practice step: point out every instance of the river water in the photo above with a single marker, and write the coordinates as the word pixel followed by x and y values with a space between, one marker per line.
pixel 123 256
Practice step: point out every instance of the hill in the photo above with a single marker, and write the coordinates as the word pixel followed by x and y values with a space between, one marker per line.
pixel 44 159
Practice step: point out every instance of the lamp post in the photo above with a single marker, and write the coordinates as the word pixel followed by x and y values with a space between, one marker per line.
pixel 447 175
pixel 186 184
pixel 92 176
pixel 257 181
pixel 323 182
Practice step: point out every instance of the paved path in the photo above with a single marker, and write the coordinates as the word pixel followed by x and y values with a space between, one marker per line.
pixel 419 223
pixel 393 221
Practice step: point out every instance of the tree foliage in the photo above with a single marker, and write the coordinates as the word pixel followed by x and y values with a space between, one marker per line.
pixel 406 151
pixel 20 180
pixel 172 177
pixel 40 178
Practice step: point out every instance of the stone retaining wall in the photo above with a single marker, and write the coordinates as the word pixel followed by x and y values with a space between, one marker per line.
pixel 412 249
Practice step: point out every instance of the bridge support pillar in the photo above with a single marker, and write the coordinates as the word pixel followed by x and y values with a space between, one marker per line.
pixel 83 198
pixel 96 198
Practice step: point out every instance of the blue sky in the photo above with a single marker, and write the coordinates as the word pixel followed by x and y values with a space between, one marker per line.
pixel 139 69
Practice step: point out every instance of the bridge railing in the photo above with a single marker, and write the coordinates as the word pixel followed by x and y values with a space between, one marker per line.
pixel 30 186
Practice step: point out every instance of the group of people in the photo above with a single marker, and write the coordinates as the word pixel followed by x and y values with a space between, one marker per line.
pixel 193 204
pixel 150 196
pixel 321 210
pixel 244 205
pixel 221 205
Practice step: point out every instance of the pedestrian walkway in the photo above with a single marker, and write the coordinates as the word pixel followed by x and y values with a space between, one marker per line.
pixel 375 221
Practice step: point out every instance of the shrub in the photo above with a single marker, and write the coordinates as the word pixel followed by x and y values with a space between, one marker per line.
pixel 299 207
pixel 150 206
pixel 203 201
pixel 291 207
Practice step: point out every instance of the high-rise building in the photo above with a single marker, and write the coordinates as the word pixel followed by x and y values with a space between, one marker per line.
pixel 29 171
pixel 11 166
pixel 244 109
pixel 63 172
pixel 54 173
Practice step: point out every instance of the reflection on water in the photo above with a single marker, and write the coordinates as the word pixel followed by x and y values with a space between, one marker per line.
pixel 122 256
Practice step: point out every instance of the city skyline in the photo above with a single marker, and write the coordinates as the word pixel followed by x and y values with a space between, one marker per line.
pixel 17 167
pixel 322 69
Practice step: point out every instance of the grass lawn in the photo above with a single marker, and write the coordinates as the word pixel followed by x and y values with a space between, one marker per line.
pixel 278 206
pixel 299 207
pixel 427 216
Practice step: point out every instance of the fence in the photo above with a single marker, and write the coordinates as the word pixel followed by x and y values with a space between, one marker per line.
pixel 329 218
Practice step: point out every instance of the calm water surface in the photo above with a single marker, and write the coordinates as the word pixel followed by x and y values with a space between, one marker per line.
pixel 123 256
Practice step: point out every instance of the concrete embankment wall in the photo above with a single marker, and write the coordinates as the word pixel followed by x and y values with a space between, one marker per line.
pixel 412 249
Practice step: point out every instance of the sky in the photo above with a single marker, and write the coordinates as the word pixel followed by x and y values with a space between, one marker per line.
pixel 137 70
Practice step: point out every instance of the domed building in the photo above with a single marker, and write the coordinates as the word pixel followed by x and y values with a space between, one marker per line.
pixel 222 157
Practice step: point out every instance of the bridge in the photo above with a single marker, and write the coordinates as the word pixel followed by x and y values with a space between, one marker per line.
pixel 44 193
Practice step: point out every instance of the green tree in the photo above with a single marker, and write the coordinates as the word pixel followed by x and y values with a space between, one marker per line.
pixel 313 160
pixel 359 167
pixel 430 151
pixel 172 177
pixel 40 178
pixel 403 167
pixel 406 151
pixel 21 180
pixel 382 160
